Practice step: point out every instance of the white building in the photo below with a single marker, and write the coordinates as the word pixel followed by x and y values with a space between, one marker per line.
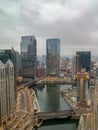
pixel 7 90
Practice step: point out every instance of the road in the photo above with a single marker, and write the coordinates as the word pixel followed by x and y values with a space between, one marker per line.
pixel 23 116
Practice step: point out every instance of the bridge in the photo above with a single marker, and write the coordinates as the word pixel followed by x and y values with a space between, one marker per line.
pixel 56 115
pixel 54 82
pixel 28 84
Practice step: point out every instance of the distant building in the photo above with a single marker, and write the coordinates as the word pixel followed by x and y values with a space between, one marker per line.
pixel 7 90
pixel 74 67
pixel 53 57
pixel 64 67
pixel 43 60
pixel 96 69
pixel 41 72
pixel 28 56
pixel 83 60
pixel 18 63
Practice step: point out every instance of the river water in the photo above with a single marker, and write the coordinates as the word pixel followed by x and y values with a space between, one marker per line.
pixel 50 100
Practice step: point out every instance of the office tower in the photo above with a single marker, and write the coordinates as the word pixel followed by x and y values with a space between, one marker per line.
pixel 28 56
pixel 83 60
pixel 82 87
pixel 53 57
pixel 7 90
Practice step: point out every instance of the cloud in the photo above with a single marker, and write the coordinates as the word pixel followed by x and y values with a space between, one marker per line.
pixel 74 22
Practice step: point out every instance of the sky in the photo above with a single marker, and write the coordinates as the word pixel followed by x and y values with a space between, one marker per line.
pixel 74 22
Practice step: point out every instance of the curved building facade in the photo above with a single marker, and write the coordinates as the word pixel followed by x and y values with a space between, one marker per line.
pixel 53 57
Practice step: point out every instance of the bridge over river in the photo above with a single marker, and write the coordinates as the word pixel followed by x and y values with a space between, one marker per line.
pixel 57 115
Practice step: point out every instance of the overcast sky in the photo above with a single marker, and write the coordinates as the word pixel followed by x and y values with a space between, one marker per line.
pixel 75 22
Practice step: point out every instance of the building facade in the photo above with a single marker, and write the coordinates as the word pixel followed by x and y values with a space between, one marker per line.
pixel 7 90
pixel 28 56
pixel 53 57
pixel 83 60
pixel 6 54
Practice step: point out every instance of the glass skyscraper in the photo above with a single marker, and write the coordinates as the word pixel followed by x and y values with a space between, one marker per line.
pixel 53 57
pixel 28 56
pixel 83 60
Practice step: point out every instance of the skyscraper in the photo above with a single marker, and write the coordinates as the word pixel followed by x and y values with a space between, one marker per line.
pixel 9 54
pixel 83 60
pixel 28 56
pixel 7 90
pixel 53 57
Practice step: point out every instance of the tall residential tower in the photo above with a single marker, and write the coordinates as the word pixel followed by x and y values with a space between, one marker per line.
pixel 53 57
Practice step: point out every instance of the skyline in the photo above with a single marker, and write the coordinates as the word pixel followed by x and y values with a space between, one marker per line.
pixel 73 22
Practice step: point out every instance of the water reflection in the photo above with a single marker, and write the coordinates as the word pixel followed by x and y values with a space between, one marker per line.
pixel 49 97
pixel 53 92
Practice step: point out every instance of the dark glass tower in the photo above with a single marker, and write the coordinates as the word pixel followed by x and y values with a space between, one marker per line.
pixel 83 60
pixel 53 57
pixel 28 56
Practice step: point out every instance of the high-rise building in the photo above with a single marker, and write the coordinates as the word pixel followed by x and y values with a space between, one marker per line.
pixel 7 90
pixel 6 54
pixel 53 57
pixel 9 54
pixel 83 60
pixel 82 87
pixel 28 56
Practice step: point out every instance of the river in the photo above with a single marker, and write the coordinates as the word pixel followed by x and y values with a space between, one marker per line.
pixel 50 100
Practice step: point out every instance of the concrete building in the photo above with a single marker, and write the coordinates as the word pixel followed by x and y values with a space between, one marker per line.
pixel 7 90
pixel 28 56
pixel 53 57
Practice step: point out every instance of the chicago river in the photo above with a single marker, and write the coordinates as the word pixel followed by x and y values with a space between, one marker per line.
pixel 50 100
